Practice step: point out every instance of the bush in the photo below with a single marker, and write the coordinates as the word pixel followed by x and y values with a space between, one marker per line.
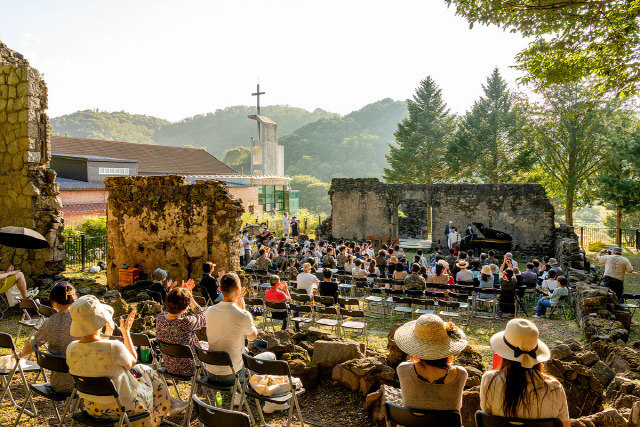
pixel 91 226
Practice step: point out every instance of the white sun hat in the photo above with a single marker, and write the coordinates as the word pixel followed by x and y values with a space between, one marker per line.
pixel 519 342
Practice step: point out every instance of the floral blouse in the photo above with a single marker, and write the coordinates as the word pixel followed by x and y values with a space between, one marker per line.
pixel 180 331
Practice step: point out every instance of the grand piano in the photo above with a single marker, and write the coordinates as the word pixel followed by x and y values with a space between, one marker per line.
pixel 487 239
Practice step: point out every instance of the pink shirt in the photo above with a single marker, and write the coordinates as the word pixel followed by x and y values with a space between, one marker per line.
pixel 274 295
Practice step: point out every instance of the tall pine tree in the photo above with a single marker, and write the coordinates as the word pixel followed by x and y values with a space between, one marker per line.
pixel 422 138
pixel 488 144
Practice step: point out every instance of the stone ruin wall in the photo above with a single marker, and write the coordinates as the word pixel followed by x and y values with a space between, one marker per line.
pixel 161 221
pixel 29 197
pixel 368 207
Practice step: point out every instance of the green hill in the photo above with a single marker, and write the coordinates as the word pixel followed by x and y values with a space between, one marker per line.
pixel 230 127
pixel 349 146
pixel 116 126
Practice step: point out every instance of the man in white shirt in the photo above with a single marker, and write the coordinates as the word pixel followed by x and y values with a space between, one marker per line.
pixel 306 280
pixel 369 250
pixel 615 267
pixel 454 239
pixel 286 225
pixel 228 323
pixel 246 246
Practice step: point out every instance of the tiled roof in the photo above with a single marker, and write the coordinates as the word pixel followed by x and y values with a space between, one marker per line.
pixel 94 158
pixel 153 159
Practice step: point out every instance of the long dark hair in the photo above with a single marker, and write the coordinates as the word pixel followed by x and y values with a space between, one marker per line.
pixel 520 385
pixel 439 269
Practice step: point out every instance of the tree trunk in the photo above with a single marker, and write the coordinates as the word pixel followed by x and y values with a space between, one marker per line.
pixel 619 226
pixel 568 208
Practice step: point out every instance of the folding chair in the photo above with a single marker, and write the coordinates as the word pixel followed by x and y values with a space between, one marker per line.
pixel 183 352
pixel 272 308
pixel 488 297
pixel 53 363
pixel 417 418
pixel 485 420
pixel 449 309
pixel 346 322
pixel 627 305
pixel 45 311
pixel 210 416
pixel 201 301
pixel 101 386
pixel 27 321
pixel 345 285
pixel 560 306
pixel 463 309
pixel 428 306
pixel 327 316
pixel 360 284
pixel 142 340
pixel 6 375
pixel 301 306
pixel 350 303
pixel 271 367
pixel 402 305
pixel 374 299
pixel 219 358
pixel 155 296
pixel 505 298
pixel 414 293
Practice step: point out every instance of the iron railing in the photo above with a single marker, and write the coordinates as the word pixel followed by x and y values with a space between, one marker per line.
pixel 84 251
pixel 623 237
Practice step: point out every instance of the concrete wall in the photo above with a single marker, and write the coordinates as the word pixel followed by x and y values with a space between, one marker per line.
pixel 159 221
pixel 367 207
pixel 93 169
pixel 28 193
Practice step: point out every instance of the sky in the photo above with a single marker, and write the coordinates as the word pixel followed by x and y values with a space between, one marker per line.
pixel 176 59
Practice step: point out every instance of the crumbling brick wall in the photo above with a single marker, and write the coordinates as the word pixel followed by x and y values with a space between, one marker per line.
pixel 160 221
pixel 28 192
pixel 368 207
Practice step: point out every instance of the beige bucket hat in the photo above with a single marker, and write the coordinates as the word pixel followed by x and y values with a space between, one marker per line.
pixel 519 342
pixel 428 338
pixel 89 315
pixel 486 269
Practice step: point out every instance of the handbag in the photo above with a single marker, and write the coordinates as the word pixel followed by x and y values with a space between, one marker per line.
pixel 272 385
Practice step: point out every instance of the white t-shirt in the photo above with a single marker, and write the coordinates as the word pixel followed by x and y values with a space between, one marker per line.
pixel 227 326
pixel 308 282
pixel 371 253
pixel 285 222
pixel 550 284
pixel 104 358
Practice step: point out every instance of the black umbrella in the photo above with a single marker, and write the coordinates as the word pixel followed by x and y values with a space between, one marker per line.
pixel 20 237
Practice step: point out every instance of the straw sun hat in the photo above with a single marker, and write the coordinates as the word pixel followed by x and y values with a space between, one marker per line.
pixel 519 342
pixel 306 267
pixel 463 264
pixel 428 338
pixel 89 315
pixel 486 269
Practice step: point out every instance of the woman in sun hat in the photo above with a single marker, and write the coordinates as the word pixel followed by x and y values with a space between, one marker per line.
pixel 93 356
pixel 430 381
pixel 486 280
pixel 520 388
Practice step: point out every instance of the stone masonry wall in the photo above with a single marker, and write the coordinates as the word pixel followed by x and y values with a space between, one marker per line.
pixel 28 192
pixel 162 222
pixel 367 207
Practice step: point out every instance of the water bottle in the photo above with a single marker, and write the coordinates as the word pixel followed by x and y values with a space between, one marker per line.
pixel 218 398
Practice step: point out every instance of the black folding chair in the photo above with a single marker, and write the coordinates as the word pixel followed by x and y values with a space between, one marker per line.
pixel 53 363
pixel 46 311
pixel 218 358
pixel 182 352
pixel 279 308
pixel 559 307
pixel 142 340
pixel 486 420
pixel 418 418
pixel 29 307
pixel 101 386
pixel 271 367
pixel 156 296
pixel 6 375
pixel 210 416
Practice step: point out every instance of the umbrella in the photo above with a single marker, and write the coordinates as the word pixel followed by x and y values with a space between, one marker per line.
pixel 20 237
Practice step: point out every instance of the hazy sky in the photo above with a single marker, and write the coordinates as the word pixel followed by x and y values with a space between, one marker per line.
pixel 175 59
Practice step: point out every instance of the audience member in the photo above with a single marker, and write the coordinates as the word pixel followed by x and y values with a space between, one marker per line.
pixel 520 388
pixel 175 326
pixel 529 276
pixel 486 280
pixel 400 273
pixel 491 259
pixel 328 288
pixel 56 333
pixel 276 294
pixel 615 268
pixel 306 280
pixel 553 299
pixel 209 284
pixel 550 283
pixel 372 269
pixel 160 283
pixel 464 275
pixel 430 381
pixel 93 356
pixel 415 280
pixel 507 300
pixel 358 272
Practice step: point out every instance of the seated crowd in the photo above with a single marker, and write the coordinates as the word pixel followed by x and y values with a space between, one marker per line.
pixel 81 330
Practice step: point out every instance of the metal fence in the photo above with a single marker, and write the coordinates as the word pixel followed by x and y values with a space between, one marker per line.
pixel 84 251
pixel 623 237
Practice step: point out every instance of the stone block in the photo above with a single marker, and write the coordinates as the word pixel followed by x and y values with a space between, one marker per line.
pixel 603 372
pixel 561 352
pixel 327 354
pixel 608 418
pixel 589 358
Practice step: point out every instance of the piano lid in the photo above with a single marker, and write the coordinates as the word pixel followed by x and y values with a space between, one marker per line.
pixel 491 233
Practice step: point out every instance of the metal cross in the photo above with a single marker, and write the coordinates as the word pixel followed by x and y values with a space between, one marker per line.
pixel 258 93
